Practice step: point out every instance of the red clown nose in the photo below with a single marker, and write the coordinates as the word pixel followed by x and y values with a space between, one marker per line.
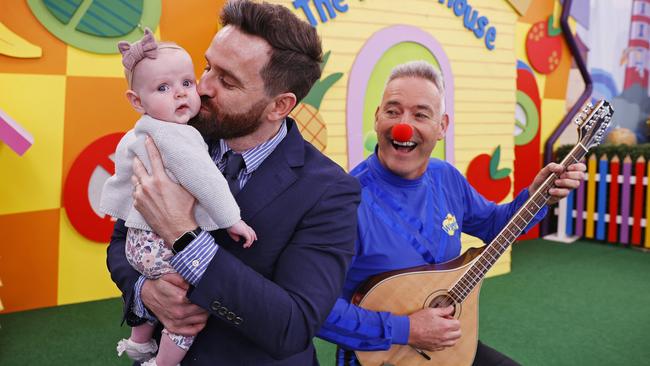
pixel 402 132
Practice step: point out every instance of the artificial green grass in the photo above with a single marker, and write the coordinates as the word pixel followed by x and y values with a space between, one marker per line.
pixel 80 334
pixel 585 303
pixel 578 304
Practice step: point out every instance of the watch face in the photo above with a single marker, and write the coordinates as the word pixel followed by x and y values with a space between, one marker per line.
pixel 183 241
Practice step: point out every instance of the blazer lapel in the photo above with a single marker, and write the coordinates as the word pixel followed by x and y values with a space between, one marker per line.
pixel 274 175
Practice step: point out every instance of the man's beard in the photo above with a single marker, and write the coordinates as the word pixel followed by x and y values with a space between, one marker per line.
pixel 214 125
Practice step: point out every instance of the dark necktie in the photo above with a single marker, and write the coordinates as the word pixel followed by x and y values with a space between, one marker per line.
pixel 234 164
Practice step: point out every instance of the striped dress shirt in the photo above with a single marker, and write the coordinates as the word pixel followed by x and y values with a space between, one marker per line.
pixel 192 261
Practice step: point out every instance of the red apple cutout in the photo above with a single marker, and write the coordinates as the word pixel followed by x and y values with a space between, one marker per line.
pixel 483 174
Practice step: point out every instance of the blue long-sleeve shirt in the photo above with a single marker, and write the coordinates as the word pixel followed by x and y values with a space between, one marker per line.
pixel 436 207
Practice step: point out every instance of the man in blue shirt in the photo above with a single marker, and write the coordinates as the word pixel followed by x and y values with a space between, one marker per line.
pixel 404 191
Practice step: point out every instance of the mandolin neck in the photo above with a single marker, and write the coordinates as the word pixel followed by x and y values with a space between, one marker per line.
pixel 477 271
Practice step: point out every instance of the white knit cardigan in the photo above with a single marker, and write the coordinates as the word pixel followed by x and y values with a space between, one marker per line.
pixel 186 160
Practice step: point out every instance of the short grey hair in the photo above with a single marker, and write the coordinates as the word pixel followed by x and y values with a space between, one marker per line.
pixel 423 70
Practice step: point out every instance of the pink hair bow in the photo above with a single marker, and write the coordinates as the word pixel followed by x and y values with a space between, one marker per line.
pixel 132 53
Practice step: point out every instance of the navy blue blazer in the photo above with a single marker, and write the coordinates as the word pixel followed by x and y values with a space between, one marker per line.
pixel 267 302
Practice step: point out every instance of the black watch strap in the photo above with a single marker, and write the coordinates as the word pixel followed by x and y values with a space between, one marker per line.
pixel 186 238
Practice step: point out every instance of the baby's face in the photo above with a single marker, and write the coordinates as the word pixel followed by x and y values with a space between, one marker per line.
pixel 167 86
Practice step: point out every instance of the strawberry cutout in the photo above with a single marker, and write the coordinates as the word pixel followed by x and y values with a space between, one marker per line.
pixel 484 175
pixel 544 46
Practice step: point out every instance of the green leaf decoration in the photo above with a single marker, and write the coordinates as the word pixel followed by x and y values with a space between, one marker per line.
pixel 502 173
pixel 326 57
pixel 552 31
pixel 317 92
pixel 495 172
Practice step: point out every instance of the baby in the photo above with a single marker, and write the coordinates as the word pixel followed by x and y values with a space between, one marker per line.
pixel 162 87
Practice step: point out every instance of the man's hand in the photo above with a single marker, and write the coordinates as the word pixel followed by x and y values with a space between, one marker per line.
pixel 433 329
pixel 567 181
pixel 165 297
pixel 165 205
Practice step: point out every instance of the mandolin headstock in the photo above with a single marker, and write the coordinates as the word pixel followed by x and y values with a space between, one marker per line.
pixel 593 122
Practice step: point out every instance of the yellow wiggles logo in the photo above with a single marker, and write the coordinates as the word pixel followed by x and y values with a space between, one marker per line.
pixel 449 224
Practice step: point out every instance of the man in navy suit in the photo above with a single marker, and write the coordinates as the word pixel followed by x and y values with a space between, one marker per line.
pixel 262 305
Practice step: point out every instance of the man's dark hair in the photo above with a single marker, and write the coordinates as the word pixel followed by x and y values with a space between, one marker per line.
pixel 294 65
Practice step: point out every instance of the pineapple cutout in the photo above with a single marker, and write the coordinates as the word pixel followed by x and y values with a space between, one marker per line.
pixel 310 122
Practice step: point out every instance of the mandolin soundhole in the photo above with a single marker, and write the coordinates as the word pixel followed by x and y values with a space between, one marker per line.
pixel 442 299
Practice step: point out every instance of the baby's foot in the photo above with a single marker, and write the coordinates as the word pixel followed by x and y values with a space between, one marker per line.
pixel 137 351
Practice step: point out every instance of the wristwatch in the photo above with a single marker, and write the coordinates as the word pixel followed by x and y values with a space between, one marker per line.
pixel 182 241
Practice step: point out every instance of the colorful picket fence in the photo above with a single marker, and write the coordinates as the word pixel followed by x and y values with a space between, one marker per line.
pixel 611 204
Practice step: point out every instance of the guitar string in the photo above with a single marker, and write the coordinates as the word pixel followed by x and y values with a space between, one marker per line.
pixel 530 208
pixel 470 279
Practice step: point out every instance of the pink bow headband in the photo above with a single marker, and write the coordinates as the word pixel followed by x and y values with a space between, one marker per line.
pixel 132 53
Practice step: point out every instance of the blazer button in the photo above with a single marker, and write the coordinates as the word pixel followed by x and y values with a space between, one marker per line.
pixel 215 305
pixel 222 311
pixel 230 315
pixel 238 320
